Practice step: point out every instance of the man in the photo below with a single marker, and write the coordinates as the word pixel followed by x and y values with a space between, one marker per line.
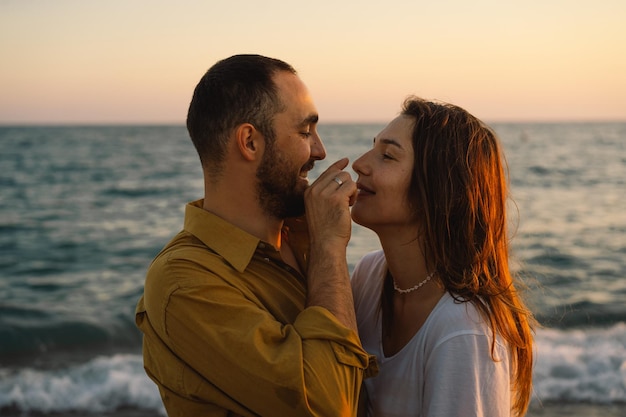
pixel 245 312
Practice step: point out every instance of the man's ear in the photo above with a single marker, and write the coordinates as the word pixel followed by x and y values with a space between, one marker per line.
pixel 250 141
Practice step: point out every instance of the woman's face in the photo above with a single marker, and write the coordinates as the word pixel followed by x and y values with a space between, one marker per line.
pixel 384 177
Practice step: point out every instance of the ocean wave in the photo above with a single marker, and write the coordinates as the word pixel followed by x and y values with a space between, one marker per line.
pixel 102 385
pixel 581 365
pixel 581 314
pixel 572 366
pixel 29 334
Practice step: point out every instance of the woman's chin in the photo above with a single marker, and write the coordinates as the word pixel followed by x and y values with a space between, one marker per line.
pixel 358 216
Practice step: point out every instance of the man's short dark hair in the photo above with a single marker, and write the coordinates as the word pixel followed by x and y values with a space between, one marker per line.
pixel 235 90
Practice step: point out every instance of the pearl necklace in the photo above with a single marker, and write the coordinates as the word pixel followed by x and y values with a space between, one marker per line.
pixel 413 288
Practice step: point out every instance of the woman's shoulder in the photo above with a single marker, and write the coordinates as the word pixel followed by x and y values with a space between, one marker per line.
pixel 458 324
pixel 371 263
pixel 454 316
pixel 367 276
pixel 376 256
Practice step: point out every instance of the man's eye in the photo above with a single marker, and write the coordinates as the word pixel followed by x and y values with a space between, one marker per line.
pixel 305 134
pixel 387 156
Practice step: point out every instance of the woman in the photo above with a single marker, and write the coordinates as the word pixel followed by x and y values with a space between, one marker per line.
pixel 438 305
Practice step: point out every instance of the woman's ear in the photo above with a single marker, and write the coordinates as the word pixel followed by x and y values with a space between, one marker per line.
pixel 249 141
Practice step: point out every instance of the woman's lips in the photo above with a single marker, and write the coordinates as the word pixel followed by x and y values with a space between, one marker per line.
pixel 363 190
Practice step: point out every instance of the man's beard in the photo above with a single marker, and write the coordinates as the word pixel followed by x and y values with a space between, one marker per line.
pixel 277 188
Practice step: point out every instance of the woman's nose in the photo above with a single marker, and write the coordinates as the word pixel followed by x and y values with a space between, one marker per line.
pixel 359 164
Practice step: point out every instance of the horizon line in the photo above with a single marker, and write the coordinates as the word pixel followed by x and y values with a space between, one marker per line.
pixel 333 122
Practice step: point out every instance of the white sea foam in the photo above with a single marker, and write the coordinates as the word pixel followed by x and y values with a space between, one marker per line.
pixel 581 365
pixel 103 384
pixel 571 366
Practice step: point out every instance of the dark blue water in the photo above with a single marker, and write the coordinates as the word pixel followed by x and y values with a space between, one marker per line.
pixel 83 210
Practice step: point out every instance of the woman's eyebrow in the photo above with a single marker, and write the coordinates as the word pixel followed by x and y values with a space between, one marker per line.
pixel 392 142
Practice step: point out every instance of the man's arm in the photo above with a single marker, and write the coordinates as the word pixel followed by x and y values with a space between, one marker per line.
pixel 242 359
pixel 328 215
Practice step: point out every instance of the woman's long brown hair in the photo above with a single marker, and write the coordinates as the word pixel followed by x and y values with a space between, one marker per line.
pixel 459 193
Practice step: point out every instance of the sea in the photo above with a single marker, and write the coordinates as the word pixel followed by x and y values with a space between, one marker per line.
pixel 84 209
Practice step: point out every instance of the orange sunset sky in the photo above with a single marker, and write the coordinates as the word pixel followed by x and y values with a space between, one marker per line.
pixel 79 62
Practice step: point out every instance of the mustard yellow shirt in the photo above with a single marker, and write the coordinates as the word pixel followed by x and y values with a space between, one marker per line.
pixel 227 331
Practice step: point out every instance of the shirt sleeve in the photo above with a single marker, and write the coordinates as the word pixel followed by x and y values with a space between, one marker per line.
pixel 312 367
pixel 462 379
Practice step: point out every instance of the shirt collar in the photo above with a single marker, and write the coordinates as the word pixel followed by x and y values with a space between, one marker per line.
pixel 233 244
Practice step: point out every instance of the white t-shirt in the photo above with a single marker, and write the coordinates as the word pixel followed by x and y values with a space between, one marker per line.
pixel 445 370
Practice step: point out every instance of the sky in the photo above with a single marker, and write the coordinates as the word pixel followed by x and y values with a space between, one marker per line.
pixel 138 61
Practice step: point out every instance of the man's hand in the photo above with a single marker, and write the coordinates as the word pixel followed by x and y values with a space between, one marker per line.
pixel 328 202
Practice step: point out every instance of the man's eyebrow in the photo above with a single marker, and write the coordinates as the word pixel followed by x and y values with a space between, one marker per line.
pixel 311 119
